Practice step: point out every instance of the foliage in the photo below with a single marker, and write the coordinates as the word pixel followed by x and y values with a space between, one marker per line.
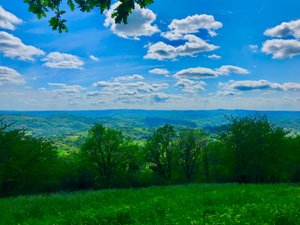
pixel 292 155
pixel 42 7
pixel 27 164
pixel 190 143
pixel 160 150
pixel 110 152
pixel 216 163
pixel 227 204
pixel 250 150
pixel 257 147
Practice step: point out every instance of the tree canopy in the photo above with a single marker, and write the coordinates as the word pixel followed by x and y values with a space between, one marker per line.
pixel 44 7
pixel 257 149
pixel 109 151
pixel 160 149
pixel 25 162
pixel 250 150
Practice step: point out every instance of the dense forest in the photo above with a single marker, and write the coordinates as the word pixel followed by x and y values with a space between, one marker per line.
pixel 249 149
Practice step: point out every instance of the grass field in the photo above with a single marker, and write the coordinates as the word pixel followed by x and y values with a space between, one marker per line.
pixel 186 204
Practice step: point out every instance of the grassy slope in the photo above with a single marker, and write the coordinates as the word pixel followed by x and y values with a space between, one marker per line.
pixel 190 204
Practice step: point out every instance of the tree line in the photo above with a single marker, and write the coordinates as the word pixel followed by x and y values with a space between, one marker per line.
pixel 249 150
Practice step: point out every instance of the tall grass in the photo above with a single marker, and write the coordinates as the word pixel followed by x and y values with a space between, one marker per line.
pixel 186 204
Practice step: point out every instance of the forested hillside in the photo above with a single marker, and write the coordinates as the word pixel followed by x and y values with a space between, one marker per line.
pixel 137 124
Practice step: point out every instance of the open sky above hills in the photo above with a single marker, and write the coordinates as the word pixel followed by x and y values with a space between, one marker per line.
pixel 194 55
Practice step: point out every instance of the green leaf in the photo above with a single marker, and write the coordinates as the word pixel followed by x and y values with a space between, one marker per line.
pixel 71 4
pixel 121 13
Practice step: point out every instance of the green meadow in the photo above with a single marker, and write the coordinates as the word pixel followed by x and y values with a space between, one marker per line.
pixel 182 204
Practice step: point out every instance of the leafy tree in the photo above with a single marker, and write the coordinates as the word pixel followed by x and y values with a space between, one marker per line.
pixel 27 164
pixel 293 154
pixel 190 143
pixel 160 149
pixel 109 152
pixel 42 7
pixel 217 162
pixel 258 149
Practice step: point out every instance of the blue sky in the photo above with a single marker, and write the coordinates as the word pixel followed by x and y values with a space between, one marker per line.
pixel 197 55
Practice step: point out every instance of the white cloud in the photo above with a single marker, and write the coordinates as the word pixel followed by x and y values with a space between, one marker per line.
pixel 228 69
pixel 143 87
pixel 262 85
pixel 190 86
pixel 285 29
pixel 14 48
pixel 8 20
pixel 280 49
pixel 10 76
pixel 64 89
pixel 196 73
pixel 283 48
pixel 94 58
pixel 192 24
pixel 62 61
pixel 227 93
pixel 290 86
pixel 139 23
pixel 214 56
pixel 57 84
pixel 203 73
pixel 93 93
pixel 253 48
pixel 159 71
pixel 193 46
pixel 129 78
pixel 159 97
pixel 105 84
pixel 131 92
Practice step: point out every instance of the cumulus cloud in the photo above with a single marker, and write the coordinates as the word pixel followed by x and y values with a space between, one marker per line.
pixel 93 93
pixel 283 48
pixel 192 24
pixel 129 78
pixel 193 46
pixel 285 29
pixel 139 23
pixel 159 97
pixel 190 86
pixel 144 87
pixel 290 86
pixel 159 71
pixel 203 73
pixel 196 73
pixel 102 84
pixel 253 48
pixel 280 48
pixel 14 48
pixel 94 58
pixel 64 89
pixel 228 69
pixel 131 92
pixel 214 56
pixel 251 85
pixel 62 61
pixel 10 76
pixel 57 84
pixel 227 93
pixel 8 20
